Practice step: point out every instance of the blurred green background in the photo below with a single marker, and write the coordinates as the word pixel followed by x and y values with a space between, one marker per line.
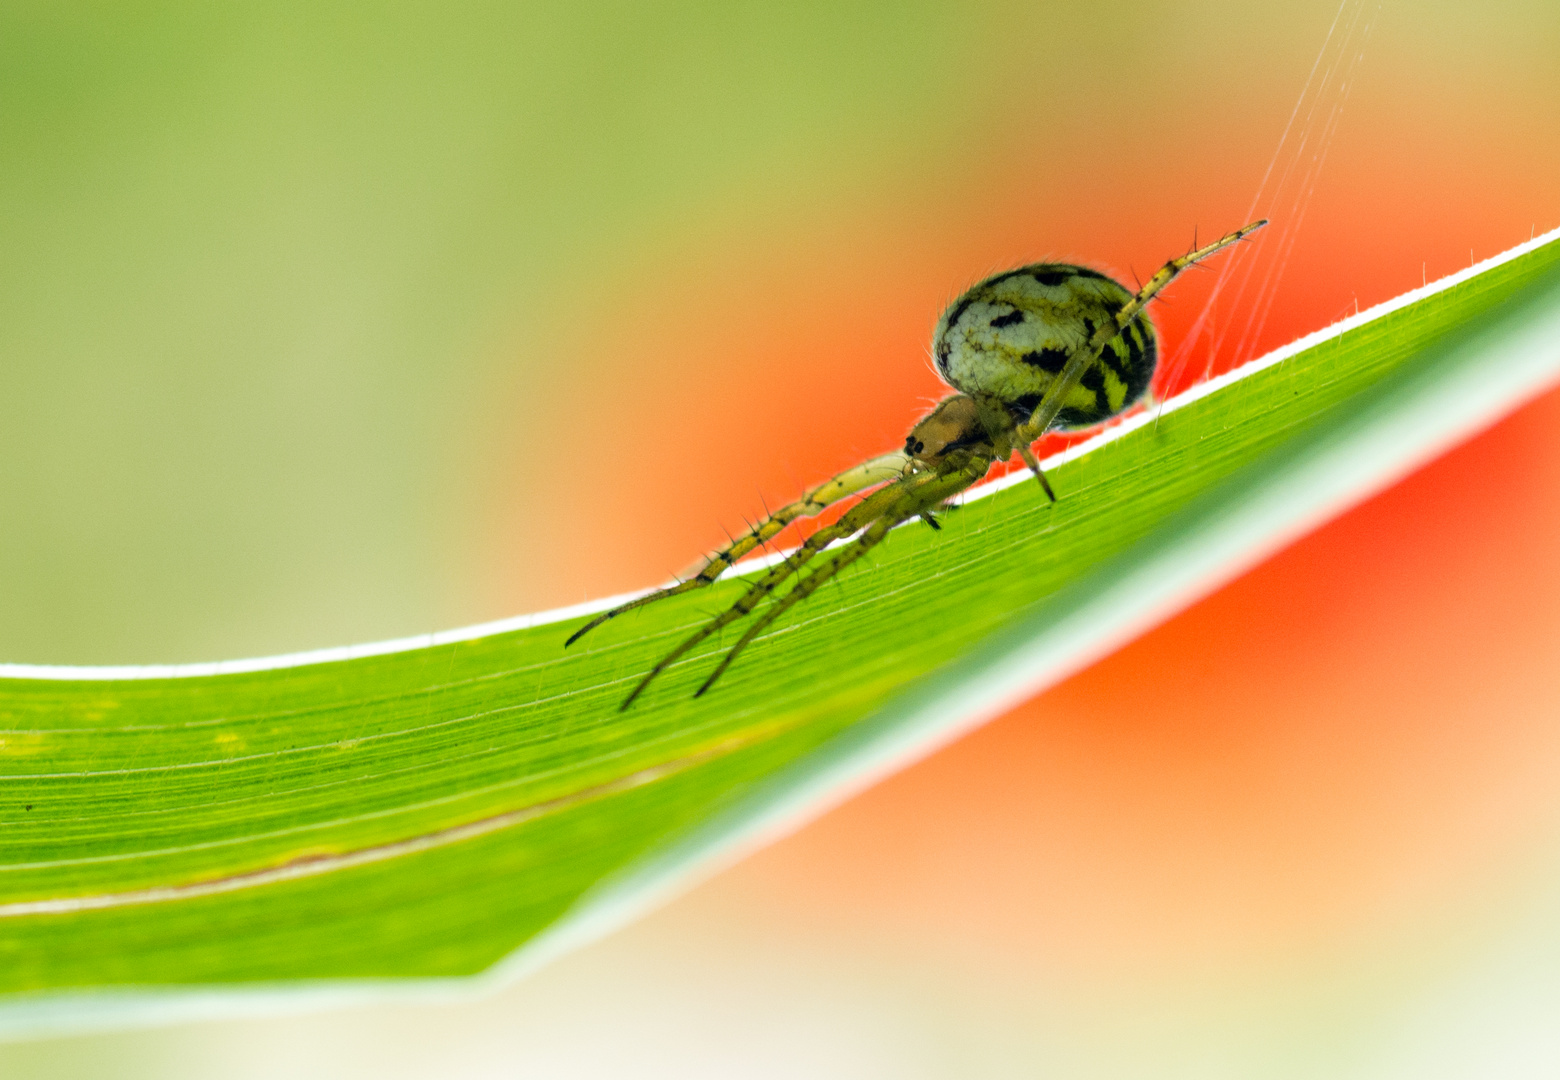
pixel 327 323
pixel 285 286
pixel 281 284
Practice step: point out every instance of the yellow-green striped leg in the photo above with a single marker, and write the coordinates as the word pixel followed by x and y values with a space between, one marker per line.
pixel 851 522
pixel 813 501
pixel 1063 385
pixel 909 505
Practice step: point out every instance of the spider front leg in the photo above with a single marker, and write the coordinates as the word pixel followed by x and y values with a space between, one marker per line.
pixel 813 502
pixel 853 521
pixel 915 502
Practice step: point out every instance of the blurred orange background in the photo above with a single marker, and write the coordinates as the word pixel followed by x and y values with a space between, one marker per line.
pixel 603 284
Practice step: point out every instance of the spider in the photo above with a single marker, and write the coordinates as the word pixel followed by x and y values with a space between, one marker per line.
pixel 1046 347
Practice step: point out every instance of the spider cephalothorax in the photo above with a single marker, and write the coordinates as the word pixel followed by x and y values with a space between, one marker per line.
pixel 1045 347
pixel 960 422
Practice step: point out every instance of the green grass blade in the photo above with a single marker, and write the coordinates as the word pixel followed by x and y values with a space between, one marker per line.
pixel 280 832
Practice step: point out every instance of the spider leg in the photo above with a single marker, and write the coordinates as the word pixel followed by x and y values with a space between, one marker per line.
pixel 1063 384
pixel 813 501
pixel 857 517
pixel 1028 454
pixel 913 503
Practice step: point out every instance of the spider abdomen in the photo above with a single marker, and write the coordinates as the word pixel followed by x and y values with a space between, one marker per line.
pixel 1010 336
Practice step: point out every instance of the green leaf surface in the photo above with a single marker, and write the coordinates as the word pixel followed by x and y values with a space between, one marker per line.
pixel 278 830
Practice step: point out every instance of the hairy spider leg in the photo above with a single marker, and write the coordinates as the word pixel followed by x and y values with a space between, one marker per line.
pixel 853 521
pixel 813 501
pixel 909 505
pixel 1056 393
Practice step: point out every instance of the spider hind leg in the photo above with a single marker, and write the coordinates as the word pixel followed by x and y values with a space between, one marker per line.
pixel 915 502
pixel 853 521
pixel 813 501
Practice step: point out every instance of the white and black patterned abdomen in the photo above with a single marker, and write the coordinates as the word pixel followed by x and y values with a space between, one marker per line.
pixel 1010 336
